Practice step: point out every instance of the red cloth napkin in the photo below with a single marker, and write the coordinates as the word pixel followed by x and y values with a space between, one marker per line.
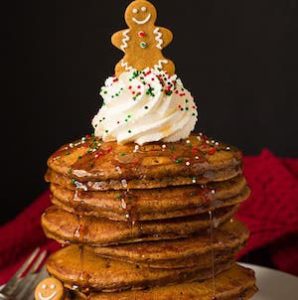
pixel 271 214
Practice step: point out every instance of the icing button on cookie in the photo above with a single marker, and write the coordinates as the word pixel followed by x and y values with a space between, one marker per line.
pixel 141 34
pixel 49 289
pixel 143 45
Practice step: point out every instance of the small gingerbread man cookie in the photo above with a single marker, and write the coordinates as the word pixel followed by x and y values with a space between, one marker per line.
pixel 49 289
pixel 143 42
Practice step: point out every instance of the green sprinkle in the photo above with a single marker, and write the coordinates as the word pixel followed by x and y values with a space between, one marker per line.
pixel 73 181
pixel 179 160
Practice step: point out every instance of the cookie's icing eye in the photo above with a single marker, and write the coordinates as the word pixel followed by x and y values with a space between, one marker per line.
pixel 44 286
pixel 144 8
pixel 53 286
pixel 135 10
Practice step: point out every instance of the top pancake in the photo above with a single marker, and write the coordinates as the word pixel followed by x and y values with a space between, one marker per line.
pixel 90 159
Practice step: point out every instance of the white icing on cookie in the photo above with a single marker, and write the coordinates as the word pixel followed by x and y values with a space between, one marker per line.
pixel 158 38
pixel 125 65
pixel 160 63
pixel 142 22
pixel 50 297
pixel 125 39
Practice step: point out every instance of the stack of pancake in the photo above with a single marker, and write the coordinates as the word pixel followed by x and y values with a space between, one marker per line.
pixel 148 222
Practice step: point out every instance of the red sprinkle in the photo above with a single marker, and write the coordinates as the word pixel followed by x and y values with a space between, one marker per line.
pixel 212 151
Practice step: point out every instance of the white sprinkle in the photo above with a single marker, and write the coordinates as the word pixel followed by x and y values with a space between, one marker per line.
pixel 213 141
pixel 207 142
pixel 71 145
pixel 118 169
pixel 123 204
pixel 228 148
pixel 124 183
pixel 194 180
pixel 164 146
pixel 188 142
pixel 83 139
pixel 200 134
pixel 137 148
pixel 197 158
pixel 203 186
pixel 127 216
pixel 213 192
pixel 187 163
pixel 217 144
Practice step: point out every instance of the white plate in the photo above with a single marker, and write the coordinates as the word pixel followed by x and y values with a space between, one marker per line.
pixel 274 285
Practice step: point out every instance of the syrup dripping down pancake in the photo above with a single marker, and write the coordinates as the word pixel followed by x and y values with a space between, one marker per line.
pixel 233 284
pixel 66 227
pixel 93 160
pixel 154 205
pixel 81 267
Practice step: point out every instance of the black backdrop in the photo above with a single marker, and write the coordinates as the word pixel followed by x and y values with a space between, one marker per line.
pixel 239 59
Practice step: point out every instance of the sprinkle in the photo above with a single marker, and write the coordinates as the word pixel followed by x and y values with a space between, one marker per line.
pixel 123 203
pixel 187 163
pixel 188 142
pixel 201 134
pixel 207 142
pixel 137 148
pixel 118 169
pixel 124 183
pixel 164 146
pixel 197 158
pixel 213 142
pixel 217 144
pixel 179 161
pixel 213 192
pixel 228 148
pixel 71 145
pixel 199 138
pixel 194 180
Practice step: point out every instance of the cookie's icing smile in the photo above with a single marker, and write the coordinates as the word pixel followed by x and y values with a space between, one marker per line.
pixel 50 297
pixel 142 22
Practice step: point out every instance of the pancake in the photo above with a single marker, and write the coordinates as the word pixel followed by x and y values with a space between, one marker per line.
pixel 226 240
pixel 234 284
pixel 92 160
pixel 81 267
pixel 154 205
pixel 143 183
pixel 66 227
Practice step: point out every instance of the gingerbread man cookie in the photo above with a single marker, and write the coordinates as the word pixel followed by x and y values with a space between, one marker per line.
pixel 49 289
pixel 143 42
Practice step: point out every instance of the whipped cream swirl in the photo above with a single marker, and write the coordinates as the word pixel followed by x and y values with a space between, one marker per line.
pixel 143 107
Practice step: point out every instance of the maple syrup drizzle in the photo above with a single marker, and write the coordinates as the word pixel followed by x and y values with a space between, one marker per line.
pixel 211 219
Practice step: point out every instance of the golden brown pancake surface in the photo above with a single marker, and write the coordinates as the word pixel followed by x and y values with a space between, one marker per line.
pixel 225 241
pixel 66 227
pixel 233 284
pixel 80 266
pixel 154 205
pixel 91 159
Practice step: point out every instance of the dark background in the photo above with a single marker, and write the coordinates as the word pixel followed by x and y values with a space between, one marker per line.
pixel 239 59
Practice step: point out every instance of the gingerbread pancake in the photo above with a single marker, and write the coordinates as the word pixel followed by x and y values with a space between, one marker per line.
pixel 66 227
pixel 233 284
pixel 144 183
pixel 79 266
pixel 225 241
pixel 154 205
pixel 92 160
